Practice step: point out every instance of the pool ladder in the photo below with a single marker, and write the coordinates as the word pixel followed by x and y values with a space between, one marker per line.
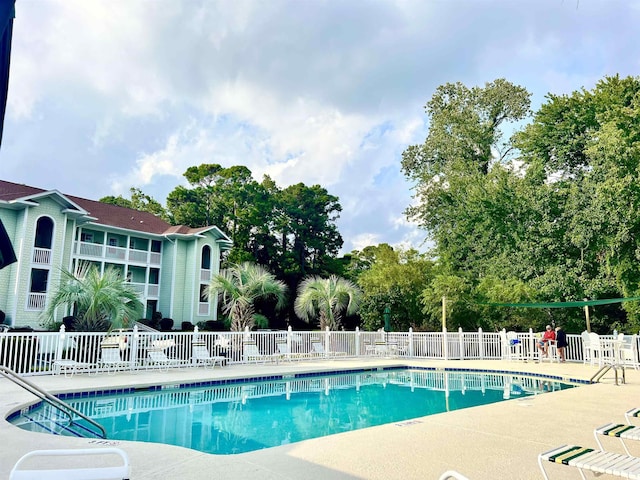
pixel 55 402
pixel 605 368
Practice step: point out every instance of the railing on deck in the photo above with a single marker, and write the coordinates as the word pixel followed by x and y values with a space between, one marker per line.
pixel 37 353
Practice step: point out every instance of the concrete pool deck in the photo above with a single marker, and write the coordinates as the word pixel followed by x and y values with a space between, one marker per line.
pixel 497 441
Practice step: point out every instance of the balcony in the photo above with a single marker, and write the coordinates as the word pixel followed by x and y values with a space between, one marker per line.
pixel 205 275
pixel 41 256
pixel 110 253
pixel 36 301
pixel 203 308
pixel 145 290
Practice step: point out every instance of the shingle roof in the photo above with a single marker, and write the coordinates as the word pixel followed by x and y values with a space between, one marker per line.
pixel 104 213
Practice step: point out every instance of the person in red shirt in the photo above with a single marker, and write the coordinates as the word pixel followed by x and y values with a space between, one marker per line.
pixel 543 344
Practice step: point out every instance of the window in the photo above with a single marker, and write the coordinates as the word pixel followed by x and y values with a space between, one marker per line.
pixel 44 233
pixel 206 258
pixel 39 279
pixel 204 298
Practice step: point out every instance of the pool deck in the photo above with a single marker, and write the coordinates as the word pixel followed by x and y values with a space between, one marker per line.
pixel 497 441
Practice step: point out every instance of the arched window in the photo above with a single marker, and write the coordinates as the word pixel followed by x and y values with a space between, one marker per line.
pixel 206 258
pixel 44 233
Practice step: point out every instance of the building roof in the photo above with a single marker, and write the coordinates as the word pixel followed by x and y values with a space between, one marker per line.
pixel 104 213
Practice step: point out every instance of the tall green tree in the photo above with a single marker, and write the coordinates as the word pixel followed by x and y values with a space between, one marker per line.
pixel 307 229
pixel 326 300
pixel 395 279
pixel 239 287
pixel 98 301
pixel 139 201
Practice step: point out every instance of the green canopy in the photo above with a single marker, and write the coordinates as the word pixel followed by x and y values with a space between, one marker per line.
pixel 583 303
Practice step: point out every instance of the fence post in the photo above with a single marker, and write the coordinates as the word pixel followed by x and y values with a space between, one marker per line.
pixel 532 345
pixel 60 347
pixel 444 344
pixel 480 344
pixel 133 359
pixel 461 342
pixel 411 342
pixel 289 335
pixel 357 341
pixel 327 340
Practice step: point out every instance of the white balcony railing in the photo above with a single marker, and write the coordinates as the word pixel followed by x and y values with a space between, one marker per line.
pixel 36 301
pixel 108 252
pixel 205 275
pixel 203 308
pixel 155 258
pixel 116 253
pixel 138 256
pixel 41 256
pixel 153 290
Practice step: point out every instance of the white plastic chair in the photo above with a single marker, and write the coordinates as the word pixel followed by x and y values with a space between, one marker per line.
pixel 596 348
pixel 88 472
pixel 201 355
pixel 629 350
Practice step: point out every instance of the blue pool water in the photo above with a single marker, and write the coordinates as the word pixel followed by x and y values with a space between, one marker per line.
pixel 242 417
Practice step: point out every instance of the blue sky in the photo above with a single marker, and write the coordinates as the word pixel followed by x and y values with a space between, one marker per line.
pixel 109 94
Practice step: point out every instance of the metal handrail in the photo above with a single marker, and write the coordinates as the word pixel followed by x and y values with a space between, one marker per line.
pixel 51 400
pixel 604 369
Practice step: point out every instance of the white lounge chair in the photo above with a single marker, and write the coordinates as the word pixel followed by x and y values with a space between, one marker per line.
pixel 617 430
pixel 317 348
pixel 201 356
pixel 598 461
pixel 633 413
pixel 110 358
pixel 451 474
pixel 252 354
pixel 119 472
pixel 157 358
pixel 284 350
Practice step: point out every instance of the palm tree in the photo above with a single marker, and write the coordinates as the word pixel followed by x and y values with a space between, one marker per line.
pixel 100 302
pixel 327 298
pixel 239 286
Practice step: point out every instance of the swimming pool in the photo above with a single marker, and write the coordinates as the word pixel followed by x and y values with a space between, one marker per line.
pixel 233 416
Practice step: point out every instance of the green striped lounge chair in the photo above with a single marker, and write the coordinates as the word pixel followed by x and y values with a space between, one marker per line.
pixel 618 430
pixel 633 413
pixel 588 459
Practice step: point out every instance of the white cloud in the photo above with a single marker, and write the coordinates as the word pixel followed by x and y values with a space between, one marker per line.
pixel 328 93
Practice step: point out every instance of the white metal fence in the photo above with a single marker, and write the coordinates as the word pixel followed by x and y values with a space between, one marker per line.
pixel 39 353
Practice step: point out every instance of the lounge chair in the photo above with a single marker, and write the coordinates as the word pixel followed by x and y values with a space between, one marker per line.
pixel 285 351
pixel 598 461
pixel 110 358
pixel 317 349
pixel 618 430
pixel 119 472
pixel 451 474
pixel 633 413
pixel 201 356
pixel 252 354
pixel 158 358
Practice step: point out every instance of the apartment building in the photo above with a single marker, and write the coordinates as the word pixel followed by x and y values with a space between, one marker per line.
pixel 169 266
